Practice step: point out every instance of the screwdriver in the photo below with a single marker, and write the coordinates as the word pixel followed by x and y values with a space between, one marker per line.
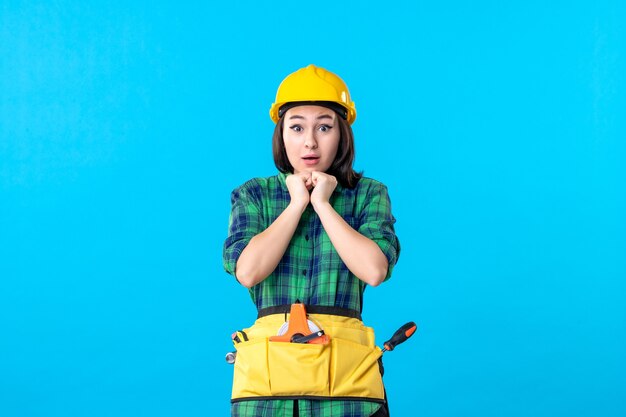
pixel 400 336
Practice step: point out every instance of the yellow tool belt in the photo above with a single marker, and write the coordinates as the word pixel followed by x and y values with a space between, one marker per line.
pixel 345 368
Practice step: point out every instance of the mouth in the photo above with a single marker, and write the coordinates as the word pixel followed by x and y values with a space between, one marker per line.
pixel 310 159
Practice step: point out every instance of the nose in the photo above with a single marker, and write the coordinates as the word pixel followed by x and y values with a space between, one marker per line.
pixel 309 141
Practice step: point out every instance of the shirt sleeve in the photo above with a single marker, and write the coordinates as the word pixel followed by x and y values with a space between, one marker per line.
pixel 376 223
pixel 244 223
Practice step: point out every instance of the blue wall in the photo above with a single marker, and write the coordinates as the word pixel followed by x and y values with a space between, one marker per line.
pixel 499 129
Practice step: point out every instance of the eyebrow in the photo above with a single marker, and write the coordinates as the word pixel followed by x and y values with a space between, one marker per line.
pixel 322 116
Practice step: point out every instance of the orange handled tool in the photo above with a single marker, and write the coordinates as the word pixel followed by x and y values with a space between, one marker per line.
pixel 299 331
pixel 400 336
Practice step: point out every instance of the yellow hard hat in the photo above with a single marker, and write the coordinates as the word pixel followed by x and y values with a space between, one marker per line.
pixel 313 85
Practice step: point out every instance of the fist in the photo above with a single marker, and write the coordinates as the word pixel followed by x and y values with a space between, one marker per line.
pixel 298 186
pixel 323 187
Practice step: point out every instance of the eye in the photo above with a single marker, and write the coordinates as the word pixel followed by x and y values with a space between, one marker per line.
pixel 324 128
pixel 296 128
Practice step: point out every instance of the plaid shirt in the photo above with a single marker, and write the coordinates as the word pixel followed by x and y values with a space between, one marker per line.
pixel 311 270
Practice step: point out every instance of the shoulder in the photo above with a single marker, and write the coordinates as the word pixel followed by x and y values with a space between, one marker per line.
pixel 369 182
pixel 367 186
pixel 258 187
pixel 368 195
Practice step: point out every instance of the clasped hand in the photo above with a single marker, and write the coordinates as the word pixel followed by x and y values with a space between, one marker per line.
pixel 301 184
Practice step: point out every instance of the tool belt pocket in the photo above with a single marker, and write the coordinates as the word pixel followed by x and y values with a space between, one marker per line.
pixel 297 369
pixel 354 370
pixel 251 378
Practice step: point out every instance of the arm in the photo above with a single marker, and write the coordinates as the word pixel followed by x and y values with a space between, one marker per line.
pixel 369 253
pixel 265 250
pixel 261 252
pixel 361 255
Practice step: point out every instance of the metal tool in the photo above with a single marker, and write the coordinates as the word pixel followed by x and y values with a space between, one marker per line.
pixel 230 357
pixel 236 338
pixel 299 338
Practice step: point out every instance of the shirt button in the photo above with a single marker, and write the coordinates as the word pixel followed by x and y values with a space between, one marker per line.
pixel 304 272
pixel 307 237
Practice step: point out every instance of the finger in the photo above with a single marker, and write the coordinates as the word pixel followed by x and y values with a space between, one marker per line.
pixel 315 176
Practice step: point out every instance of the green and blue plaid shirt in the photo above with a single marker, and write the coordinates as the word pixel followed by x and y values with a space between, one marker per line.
pixel 311 270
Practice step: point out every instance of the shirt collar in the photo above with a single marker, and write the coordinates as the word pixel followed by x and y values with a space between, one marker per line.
pixel 281 178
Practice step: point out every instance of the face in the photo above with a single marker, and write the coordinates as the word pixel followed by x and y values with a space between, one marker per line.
pixel 311 136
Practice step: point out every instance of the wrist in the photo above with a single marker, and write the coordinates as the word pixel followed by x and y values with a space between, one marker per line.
pixel 299 206
pixel 320 205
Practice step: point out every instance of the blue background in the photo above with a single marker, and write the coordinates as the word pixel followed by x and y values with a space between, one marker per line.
pixel 499 128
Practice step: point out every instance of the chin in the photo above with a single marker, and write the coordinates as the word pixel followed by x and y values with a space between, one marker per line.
pixel 309 170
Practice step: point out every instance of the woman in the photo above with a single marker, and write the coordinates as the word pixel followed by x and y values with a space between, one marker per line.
pixel 317 233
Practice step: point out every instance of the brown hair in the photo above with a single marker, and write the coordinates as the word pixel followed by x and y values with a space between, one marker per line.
pixel 341 168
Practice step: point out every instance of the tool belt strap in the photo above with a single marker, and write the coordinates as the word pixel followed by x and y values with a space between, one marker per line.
pixel 311 309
